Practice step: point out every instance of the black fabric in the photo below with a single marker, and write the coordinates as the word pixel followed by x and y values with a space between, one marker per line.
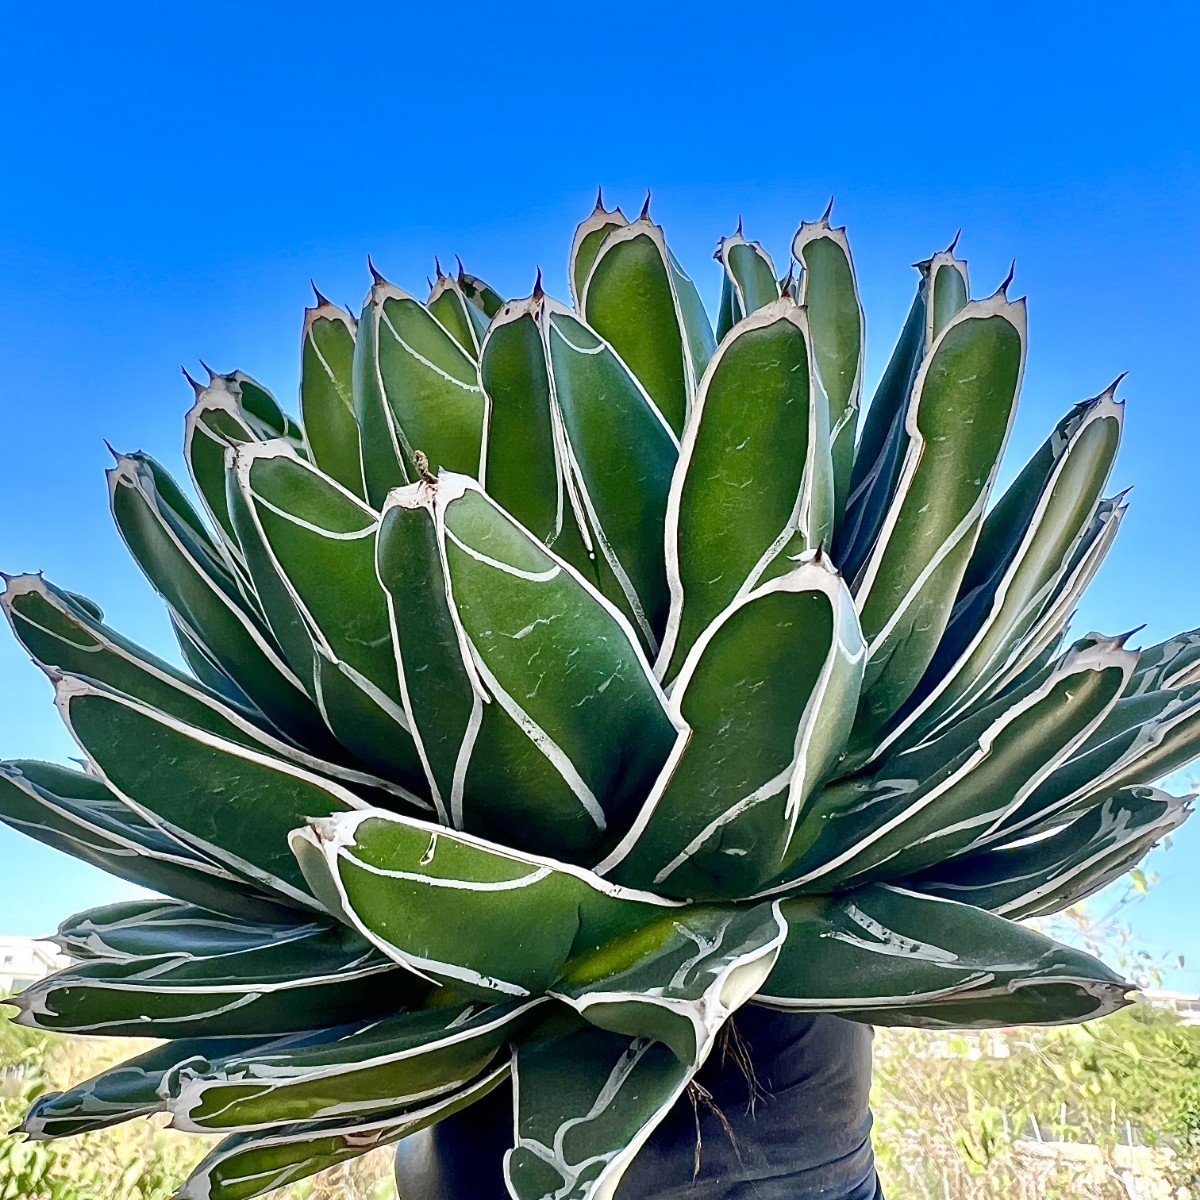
pixel 802 1133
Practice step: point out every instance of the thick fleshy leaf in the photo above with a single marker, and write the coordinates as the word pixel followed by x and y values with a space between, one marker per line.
pixel 1144 738
pixel 1173 663
pixel 449 304
pixel 892 957
pixel 1049 872
pixel 621 456
pixel 586 1101
pixel 1025 548
pixel 943 796
pixel 205 601
pixel 326 977
pixel 77 814
pixel 248 1164
pixel 415 389
pixel 63 636
pixel 526 470
pixel 957 423
pixel 676 981
pixel 881 450
pixel 829 290
pixel 754 483
pixel 232 804
pixel 585 245
pixel 327 393
pixel 764 702
pixel 310 548
pixel 535 712
pixel 130 1089
pixel 640 300
pixel 480 295
pixel 399 1062
pixel 748 280
pixel 480 918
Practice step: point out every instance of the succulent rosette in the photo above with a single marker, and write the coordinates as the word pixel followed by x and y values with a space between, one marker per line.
pixel 566 677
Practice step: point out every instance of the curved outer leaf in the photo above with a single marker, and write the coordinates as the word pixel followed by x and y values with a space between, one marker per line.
pixel 621 455
pixel 325 978
pixel 415 389
pixel 234 805
pixel 310 548
pixel 754 482
pixel 639 299
pixel 482 298
pixel 327 394
pixel 130 1089
pixel 941 293
pixel 61 635
pixel 957 423
pixel 1025 548
pixel 545 721
pixel 748 280
pixel 1145 737
pixel 764 702
pixel 578 1130
pixel 1045 874
pixel 1173 663
pixel 142 929
pixel 676 981
pixel 829 290
pixel 204 600
pixel 78 815
pixel 450 306
pixel 585 245
pixel 398 1062
pixel 479 918
pixel 948 794
pixel 247 1165
pixel 892 957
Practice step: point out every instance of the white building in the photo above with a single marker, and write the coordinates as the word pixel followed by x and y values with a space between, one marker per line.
pixel 23 960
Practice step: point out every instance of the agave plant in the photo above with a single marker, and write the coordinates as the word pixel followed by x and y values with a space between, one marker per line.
pixel 567 677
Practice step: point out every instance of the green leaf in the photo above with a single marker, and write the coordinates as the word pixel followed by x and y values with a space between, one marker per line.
pixel 747 281
pixel 892 957
pixel 450 306
pixel 325 977
pixel 526 470
pixel 415 389
pixel 234 805
pixel 477 917
pixel 711 959
pixel 130 1089
pixel 586 1101
pixel 399 1062
pixel 764 702
pixel 327 393
pixel 883 443
pixel 479 295
pixel 529 698
pixel 247 1165
pixel 957 423
pixel 78 815
pixel 638 298
pixel 1173 663
pixel 829 290
pixel 1045 874
pixel 310 548
pixel 585 245
pixel 943 796
pixel 754 483
pixel 63 636
pixel 1024 550
pixel 204 600
pixel 621 455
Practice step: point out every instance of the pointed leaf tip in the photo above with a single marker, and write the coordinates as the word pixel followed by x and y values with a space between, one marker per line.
pixel 537 293
pixel 437 267
pixel 644 215
pixel 461 270
pixel 739 227
pixel 197 386
pixel 317 292
pixel 1002 290
pixel 954 242
pixel 211 373
pixel 599 198
pixel 375 275
pixel 828 212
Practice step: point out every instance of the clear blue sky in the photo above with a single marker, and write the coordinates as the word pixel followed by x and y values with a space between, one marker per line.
pixel 174 174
